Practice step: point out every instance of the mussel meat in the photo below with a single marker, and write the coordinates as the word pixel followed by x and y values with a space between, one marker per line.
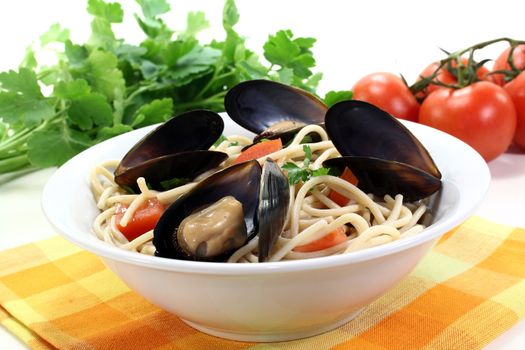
pixel 176 149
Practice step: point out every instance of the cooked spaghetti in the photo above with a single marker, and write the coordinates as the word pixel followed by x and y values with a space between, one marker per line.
pixel 365 220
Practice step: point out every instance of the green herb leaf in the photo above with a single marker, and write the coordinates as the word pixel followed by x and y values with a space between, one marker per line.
pixel 175 182
pixel 298 174
pixel 153 8
pixel 90 110
pixel 22 102
pixel 103 74
pixel 19 110
pixel 195 23
pixel 29 60
pixel 333 97
pixel 230 15
pixel 321 171
pixel 219 140
pixel 280 49
pixel 108 132
pixel 307 156
pixel 54 145
pixel 177 49
pixel 72 89
pixel 112 12
pixel 76 54
pixel 295 173
pixel 24 82
pixel 157 111
pixel 54 34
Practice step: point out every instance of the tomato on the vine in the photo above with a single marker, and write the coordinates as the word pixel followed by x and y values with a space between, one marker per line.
pixel 444 76
pixel 388 92
pixel 501 63
pixel 481 114
pixel 516 90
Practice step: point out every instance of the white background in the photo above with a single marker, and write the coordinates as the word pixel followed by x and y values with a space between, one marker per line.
pixel 354 39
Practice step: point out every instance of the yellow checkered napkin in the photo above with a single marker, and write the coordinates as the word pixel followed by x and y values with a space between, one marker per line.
pixel 468 290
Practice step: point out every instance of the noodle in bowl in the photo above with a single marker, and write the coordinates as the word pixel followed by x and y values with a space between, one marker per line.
pixel 271 301
pixel 311 214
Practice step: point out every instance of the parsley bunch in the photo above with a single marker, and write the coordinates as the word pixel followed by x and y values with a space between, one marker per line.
pixel 106 87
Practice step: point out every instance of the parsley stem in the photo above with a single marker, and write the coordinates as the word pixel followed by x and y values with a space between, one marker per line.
pixel 209 101
pixel 15 140
pixel 13 163
pixel 215 78
pixel 208 84
pixel 136 93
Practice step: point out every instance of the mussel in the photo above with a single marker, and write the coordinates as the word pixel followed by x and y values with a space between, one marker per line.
pixel 176 149
pixel 273 110
pixel 223 212
pixel 381 152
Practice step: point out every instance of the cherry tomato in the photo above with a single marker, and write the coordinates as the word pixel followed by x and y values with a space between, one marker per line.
pixel 501 63
pixel 516 90
pixel 388 92
pixel 444 76
pixel 143 220
pixel 481 114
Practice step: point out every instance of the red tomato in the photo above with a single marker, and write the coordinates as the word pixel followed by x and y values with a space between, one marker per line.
pixel 259 150
pixel 481 114
pixel 445 76
pixel 334 238
pixel 501 63
pixel 516 90
pixel 348 176
pixel 144 219
pixel 388 92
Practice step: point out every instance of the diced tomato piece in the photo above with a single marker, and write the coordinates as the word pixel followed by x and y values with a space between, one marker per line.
pixel 334 238
pixel 143 220
pixel 259 150
pixel 348 176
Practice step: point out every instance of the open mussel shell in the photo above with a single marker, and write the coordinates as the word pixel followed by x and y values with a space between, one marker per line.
pixel 257 105
pixel 184 166
pixel 241 181
pixel 381 177
pixel 156 153
pixel 360 129
pixel 274 200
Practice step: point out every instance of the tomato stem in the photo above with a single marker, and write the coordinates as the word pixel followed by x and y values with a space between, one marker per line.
pixel 466 74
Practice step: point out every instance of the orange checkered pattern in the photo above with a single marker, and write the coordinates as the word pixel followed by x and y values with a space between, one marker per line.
pixel 468 290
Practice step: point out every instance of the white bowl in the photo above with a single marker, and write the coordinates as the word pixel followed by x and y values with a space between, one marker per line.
pixel 271 301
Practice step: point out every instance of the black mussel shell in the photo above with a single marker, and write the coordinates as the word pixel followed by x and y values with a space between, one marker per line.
pixel 381 177
pixel 156 152
pixel 360 129
pixel 274 199
pixel 256 105
pixel 242 181
pixel 184 166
